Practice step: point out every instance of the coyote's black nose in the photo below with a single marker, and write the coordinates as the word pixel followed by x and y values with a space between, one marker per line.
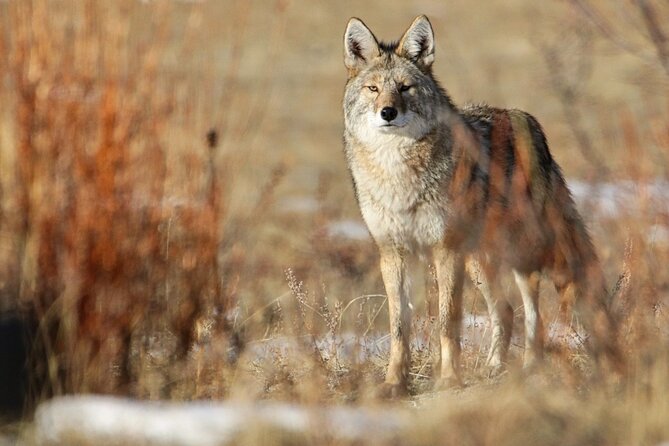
pixel 388 113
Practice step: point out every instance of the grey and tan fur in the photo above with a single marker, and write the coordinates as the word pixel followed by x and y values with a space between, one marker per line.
pixel 476 187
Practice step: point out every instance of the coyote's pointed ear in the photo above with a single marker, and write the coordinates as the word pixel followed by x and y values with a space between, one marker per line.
pixel 417 44
pixel 360 45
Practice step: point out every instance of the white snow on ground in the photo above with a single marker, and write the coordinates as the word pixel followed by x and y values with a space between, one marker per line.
pixel 347 229
pixel 658 235
pixel 103 420
pixel 611 199
pixel 298 205
pixel 100 420
pixel 354 348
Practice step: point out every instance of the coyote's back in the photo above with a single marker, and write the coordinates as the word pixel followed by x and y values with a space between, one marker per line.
pixel 475 185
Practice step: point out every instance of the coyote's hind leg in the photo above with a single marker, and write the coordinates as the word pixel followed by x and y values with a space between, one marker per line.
pixel 499 311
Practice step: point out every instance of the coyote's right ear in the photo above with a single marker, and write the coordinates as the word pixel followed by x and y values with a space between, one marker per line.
pixel 417 44
pixel 360 46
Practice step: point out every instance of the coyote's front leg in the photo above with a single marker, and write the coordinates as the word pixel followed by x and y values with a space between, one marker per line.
pixel 394 271
pixel 449 266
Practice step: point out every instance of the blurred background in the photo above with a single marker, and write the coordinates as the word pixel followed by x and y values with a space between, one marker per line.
pixel 177 220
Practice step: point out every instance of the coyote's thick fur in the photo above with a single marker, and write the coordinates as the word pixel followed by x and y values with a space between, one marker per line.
pixel 475 186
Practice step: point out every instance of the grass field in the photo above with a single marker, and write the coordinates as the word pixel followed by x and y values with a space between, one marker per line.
pixel 177 221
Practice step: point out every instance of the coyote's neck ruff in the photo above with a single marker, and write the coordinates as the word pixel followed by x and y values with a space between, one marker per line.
pixel 476 183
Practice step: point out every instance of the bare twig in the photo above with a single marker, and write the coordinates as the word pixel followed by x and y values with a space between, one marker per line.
pixel 568 92
pixel 652 25
pixel 606 29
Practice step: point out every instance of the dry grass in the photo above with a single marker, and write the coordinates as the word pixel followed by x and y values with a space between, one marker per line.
pixel 170 173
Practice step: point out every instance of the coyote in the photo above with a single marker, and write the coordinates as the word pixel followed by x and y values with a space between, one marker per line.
pixel 476 187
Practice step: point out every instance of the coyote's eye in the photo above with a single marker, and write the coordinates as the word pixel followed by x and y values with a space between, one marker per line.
pixel 373 88
pixel 404 87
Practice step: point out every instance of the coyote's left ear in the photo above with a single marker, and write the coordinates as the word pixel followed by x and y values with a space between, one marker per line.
pixel 417 44
pixel 360 46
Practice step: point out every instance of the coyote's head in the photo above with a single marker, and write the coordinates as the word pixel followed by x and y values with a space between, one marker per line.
pixel 390 91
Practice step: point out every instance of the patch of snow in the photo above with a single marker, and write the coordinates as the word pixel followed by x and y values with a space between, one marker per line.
pixel 347 229
pixel 101 419
pixel 298 205
pixel 658 235
pixel 610 199
pixel 350 347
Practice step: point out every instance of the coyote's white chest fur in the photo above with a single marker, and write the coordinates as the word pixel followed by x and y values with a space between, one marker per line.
pixel 392 195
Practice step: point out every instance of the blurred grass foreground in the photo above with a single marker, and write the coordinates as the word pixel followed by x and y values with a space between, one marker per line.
pixel 177 222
